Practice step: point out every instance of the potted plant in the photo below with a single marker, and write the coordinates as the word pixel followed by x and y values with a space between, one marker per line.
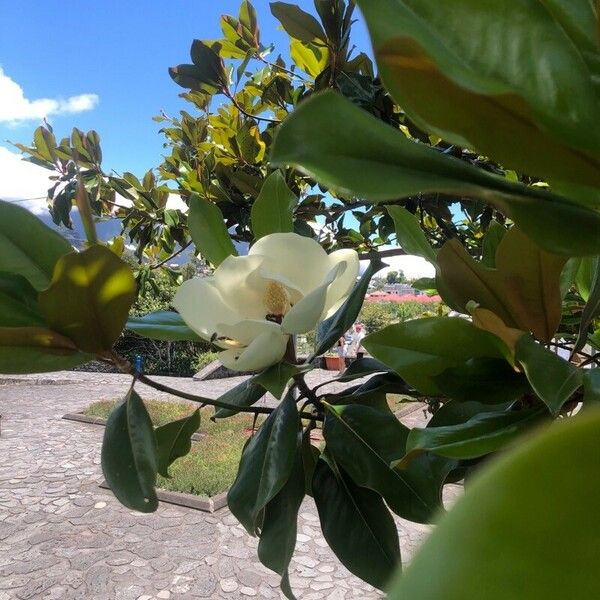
pixel 332 361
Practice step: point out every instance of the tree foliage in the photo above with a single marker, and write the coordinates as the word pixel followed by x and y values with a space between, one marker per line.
pixel 410 153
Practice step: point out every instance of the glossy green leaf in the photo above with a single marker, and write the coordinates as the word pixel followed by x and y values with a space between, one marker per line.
pixel 591 387
pixel 18 302
pixel 373 161
pixel 297 23
pixel 164 325
pixel 334 327
pixel 245 394
pixel 485 380
pixel 265 466
pixel 89 298
pixel 456 83
pixel 480 435
pixel 357 525
pixel 208 230
pixel 278 534
pixel 516 533
pixel 174 440
pixel 491 241
pixel 552 378
pixel 27 246
pixel 454 412
pixel 590 311
pixel 365 441
pixel 310 456
pixel 129 456
pixel 420 349
pixel 409 234
pixel 361 367
pixel 586 274
pixel 273 210
pixel 37 350
pixel 275 378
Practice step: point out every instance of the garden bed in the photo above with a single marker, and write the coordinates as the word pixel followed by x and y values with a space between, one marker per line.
pixel 211 466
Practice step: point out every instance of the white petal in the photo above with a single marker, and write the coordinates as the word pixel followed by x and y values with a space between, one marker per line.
pixel 233 278
pixel 245 332
pixel 305 315
pixel 343 285
pixel 266 350
pixel 201 306
pixel 301 260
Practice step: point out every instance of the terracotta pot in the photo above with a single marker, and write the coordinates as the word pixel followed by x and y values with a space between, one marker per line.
pixel 332 363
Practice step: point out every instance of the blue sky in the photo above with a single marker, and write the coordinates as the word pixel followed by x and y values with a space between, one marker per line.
pixel 120 52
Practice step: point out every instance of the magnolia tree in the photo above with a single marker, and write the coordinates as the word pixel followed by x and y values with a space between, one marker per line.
pixel 491 107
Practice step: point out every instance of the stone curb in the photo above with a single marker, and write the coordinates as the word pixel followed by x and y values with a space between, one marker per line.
pixel 203 503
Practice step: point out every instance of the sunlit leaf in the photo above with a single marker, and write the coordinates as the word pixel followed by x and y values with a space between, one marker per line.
pixel 89 298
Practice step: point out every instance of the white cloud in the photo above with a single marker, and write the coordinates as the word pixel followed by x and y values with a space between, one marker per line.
pixel 23 182
pixel 16 108
pixel 413 267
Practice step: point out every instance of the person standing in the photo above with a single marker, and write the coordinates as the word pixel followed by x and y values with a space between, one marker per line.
pixel 357 337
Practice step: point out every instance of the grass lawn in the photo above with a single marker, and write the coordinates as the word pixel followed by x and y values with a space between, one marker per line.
pixel 212 464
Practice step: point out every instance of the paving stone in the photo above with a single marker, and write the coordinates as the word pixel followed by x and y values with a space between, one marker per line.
pixel 248 591
pixel 228 585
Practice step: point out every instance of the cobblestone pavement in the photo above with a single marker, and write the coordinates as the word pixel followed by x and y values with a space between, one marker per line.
pixel 61 536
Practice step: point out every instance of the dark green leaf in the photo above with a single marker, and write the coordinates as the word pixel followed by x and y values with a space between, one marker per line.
pixel 491 241
pixel 552 378
pixel 409 234
pixel 334 327
pixel 18 302
pixel 265 466
pixel 590 311
pixel 480 435
pixel 27 246
pixel 243 395
pixel 129 457
pixel 164 325
pixel 275 378
pixel 517 533
pixel 209 63
pixel 297 23
pixel 89 298
pixel 208 230
pixel 174 440
pixel 278 534
pixel 419 350
pixel 272 211
pixel 365 441
pixel 361 367
pixel 591 387
pixel 310 457
pixel 484 380
pixel 372 160
pixel 357 526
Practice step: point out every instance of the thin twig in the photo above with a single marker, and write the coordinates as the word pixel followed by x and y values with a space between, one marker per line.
pixel 163 262
pixel 250 115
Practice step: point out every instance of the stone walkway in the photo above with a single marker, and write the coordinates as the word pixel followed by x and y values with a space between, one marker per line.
pixel 61 536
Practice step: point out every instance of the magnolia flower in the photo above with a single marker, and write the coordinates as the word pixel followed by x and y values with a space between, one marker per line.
pixel 252 304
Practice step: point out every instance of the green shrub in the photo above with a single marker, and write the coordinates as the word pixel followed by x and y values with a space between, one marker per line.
pixel 204 359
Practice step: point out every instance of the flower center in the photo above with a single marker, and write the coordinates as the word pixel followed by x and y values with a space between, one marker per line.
pixel 277 300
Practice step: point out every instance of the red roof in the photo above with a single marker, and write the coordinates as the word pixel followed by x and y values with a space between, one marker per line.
pixel 399 298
